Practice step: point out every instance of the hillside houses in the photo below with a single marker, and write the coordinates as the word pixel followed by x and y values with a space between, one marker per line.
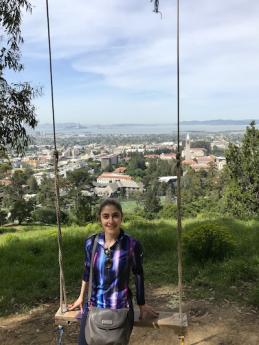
pixel 163 156
pixel 114 184
pixel 96 157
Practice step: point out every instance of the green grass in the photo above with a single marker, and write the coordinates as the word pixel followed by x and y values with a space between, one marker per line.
pixel 30 274
pixel 129 206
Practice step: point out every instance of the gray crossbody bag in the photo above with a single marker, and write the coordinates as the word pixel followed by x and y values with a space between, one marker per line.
pixel 105 326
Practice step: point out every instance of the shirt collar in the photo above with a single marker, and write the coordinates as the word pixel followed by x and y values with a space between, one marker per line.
pixel 101 237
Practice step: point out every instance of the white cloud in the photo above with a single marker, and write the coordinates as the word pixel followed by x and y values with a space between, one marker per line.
pixel 128 48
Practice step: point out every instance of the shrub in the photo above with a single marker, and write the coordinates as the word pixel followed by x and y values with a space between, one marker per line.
pixel 139 223
pixel 93 228
pixel 253 297
pixel 138 212
pixel 241 269
pixel 5 230
pixel 21 210
pixel 3 217
pixel 168 211
pixel 208 241
pixel 48 216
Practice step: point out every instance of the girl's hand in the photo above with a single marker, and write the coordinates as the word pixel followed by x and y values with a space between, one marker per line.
pixel 147 310
pixel 77 304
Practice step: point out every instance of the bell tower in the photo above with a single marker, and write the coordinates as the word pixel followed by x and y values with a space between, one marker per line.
pixel 187 150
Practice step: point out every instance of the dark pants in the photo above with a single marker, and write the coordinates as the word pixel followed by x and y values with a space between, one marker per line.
pixel 81 340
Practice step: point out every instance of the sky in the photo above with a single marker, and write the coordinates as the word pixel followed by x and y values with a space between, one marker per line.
pixel 114 61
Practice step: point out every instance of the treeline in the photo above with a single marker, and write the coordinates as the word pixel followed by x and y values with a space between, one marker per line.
pixel 24 200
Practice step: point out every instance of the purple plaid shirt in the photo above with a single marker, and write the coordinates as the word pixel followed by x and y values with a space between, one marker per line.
pixel 110 286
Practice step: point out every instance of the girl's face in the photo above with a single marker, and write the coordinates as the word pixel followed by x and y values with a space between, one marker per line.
pixel 111 219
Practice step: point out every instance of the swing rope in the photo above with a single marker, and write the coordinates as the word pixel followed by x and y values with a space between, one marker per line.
pixel 63 297
pixel 179 172
pixel 178 162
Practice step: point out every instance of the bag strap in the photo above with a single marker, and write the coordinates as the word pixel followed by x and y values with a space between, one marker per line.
pixel 90 283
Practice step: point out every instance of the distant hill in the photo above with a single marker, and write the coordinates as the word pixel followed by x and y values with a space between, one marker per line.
pixel 74 126
pixel 60 126
pixel 219 122
pixel 146 128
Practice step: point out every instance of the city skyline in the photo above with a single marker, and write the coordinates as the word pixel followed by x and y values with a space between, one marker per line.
pixel 115 62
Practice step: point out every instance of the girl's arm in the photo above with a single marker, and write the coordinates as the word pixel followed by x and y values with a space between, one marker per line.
pixel 79 302
pixel 137 269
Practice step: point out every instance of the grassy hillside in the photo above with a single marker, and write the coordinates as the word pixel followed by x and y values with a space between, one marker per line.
pixel 30 275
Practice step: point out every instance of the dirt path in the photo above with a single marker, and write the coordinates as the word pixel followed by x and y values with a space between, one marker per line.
pixel 209 323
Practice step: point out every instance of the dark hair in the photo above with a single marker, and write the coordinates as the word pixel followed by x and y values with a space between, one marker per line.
pixel 110 201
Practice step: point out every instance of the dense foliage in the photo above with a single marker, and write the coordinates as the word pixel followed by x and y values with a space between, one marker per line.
pixel 241 196
pixel 46 215
pixel 208 241
pixel 16 109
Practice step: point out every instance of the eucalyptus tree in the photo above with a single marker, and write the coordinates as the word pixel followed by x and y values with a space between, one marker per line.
pixel 241 194
pixel 16 109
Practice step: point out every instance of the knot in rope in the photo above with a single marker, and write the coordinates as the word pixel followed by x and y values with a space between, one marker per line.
pixel 178 159
pixel 156 7
pixel 60 334
pixel 55 154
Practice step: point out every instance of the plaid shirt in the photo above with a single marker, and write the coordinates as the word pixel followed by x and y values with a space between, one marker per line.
pixel 110 286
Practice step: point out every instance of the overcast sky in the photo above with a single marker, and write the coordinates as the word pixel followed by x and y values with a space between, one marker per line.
pixel 114 61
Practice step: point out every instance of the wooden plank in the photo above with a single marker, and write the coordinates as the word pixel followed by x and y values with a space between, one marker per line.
pixel 165 319
pixel 67 317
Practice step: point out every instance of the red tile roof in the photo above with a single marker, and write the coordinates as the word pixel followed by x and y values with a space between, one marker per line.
pixel 206 159
pixel 188 161
pixel 152 156
pixel 168 156
pixel 120 170
pixel 114 176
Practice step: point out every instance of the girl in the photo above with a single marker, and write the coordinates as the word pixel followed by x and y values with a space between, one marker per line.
pixel 116 255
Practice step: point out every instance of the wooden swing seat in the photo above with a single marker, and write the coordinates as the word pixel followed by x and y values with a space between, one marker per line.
pixel 164 320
